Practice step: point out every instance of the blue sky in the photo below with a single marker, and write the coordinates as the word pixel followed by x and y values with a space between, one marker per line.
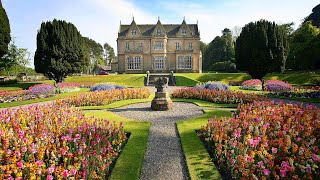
pixel 100 19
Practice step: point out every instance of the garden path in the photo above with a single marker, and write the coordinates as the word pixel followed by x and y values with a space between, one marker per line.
pixel 164 159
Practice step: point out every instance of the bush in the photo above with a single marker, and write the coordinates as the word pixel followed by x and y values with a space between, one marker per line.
pixel 105 87
pixel 277 85
pixel 229 97
pixel 224 66
pixel 265 140
pixel 252 84
pixel 57 141
pixel 213 85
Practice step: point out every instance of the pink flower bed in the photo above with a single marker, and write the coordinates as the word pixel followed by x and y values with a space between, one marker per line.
pixel 266 141
pixel 277 85
pixel 228 97
pixel 252 84
pixel 57 141
pixel 65 87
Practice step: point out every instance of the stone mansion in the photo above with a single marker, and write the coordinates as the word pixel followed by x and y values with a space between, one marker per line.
pixel 158 48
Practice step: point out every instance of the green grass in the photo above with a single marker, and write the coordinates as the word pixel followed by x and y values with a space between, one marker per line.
pixel 191 79
pixel 237 88
pixel 130 80
pixel 307 100
pixel 199 163
pixel 58 96
pixel 118 104
pixel 202 103
pixel 295 78
pixel 129 164
pixel 23 85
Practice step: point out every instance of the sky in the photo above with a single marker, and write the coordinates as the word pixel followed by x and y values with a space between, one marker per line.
pixel 100 19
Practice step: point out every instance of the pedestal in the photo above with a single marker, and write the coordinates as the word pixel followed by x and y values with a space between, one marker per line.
pixel 161 102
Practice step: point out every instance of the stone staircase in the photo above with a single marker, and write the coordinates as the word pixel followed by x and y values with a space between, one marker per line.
pixel 149 80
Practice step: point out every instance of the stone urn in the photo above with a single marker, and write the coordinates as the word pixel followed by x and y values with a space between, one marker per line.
pixel 161 101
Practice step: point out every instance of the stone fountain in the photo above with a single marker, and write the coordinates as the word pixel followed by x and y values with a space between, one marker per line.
pixel 161 101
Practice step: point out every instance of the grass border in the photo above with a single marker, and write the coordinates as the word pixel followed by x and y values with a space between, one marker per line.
pixel 129 163
pixel 199 163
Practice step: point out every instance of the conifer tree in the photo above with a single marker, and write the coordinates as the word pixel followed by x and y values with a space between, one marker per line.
pixel 261 48
pixel 60 50
pixel 5 37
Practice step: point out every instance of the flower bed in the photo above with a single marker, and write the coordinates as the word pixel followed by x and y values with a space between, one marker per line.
pixel 65 87
pixel 105 87
pixel 42 90
pixel 213 85
pixel 252 84
pixel 299 93
pixel 216 96
pixel 99 98
pixel 56 142
pixel 266 141
pixel 277 85
pixel 34 92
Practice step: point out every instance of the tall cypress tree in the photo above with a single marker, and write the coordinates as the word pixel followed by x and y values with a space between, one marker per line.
pixel 59 50
pixel 5 37
pixel 261 48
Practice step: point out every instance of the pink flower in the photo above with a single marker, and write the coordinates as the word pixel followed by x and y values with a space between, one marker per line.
pixel 315 157
pixel 266 172
pixel 24 149
pixel 249 159
pixel 10 178
pixel 39 162
pixel 19 178
pixel 49 177
pixel 20 164
pixel 282 173
pixel 260 163
pixel 65 173
pixel 274 150
pixel 17 153
pixel 51 169
pixel 39 171
pixel 73 171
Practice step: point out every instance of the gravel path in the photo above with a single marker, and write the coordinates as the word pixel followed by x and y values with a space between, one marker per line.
pixel 163 158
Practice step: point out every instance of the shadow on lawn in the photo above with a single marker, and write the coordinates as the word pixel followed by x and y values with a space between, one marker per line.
pixel 21 85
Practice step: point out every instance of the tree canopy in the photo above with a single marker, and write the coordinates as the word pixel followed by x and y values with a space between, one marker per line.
pixel 304 48
pixel 109 51
pixel 314 17
pixel 261 48
pixel 221 48
pixel 5 37
pixel 60 50
pixel 93 54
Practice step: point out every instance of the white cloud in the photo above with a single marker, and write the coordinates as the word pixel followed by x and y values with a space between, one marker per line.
pixel 213 18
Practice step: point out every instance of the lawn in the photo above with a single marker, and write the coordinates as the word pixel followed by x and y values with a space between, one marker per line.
pixel 23 85
pixel 199 163
pixel 191 79
pixel 130 80
pixel 129 164
pixel 294 78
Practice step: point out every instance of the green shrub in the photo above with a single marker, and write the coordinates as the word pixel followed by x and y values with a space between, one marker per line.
pixel 315 81
pixel 225 66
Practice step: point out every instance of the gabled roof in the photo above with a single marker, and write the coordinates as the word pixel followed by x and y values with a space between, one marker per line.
pixel 170 29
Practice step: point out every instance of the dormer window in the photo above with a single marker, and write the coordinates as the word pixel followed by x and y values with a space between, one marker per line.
pixel 133 32
pixel 184 32
pixel 158 31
